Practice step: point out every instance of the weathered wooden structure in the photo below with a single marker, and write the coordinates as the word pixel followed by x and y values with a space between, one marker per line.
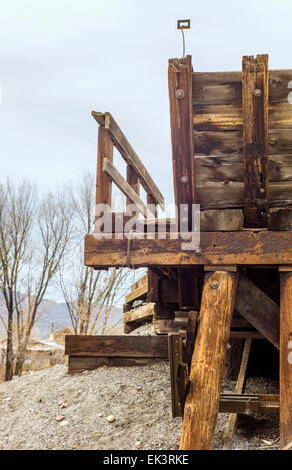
pixel 232 154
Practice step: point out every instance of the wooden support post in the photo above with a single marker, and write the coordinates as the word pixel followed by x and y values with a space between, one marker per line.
pixel 240 384
pixel 255 104
pixel 181 122
pixel 286 359
pixel 134 181
pixel 189 288
pixel 202 402
pixel 103 182
pixel 153 286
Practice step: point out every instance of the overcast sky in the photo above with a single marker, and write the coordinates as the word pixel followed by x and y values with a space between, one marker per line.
pixel 62 59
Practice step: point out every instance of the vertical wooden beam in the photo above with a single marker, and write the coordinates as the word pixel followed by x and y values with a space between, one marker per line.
pixel 134 181
pixel 151 201
pixel 239 389
pixel 255 102
pixel 153 287
pixel 202 402
pixel 181 122
pixel 286 359
pixel 103 182
pixel 189 288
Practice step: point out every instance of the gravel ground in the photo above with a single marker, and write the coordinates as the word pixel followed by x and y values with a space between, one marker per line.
pixel 49 409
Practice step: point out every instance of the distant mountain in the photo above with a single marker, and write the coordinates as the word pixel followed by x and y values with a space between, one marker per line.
pixel 56 313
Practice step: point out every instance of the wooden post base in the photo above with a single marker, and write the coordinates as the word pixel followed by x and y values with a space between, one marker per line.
pixel 202 402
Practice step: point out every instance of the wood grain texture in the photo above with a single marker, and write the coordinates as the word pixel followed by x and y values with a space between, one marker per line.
pixel 259 310
pixel 180 79
pixel 228 143
pixel 120 346
pixel 128 153
pixel 202 401
pixel 137 294
pixel 286 359
pixel 255 140
pixel 79 364
pixel 140 314
pixel 222 248
pixel 103 182
pixel 126 189
pixel 239 388
pixel 226 87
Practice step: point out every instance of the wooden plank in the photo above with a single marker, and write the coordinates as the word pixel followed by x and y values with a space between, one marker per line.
pixel 255 101
pixel 239 388
pixel 143 280
pixel 226 87
pixel 128 153
pixel 140 314
pixel 153 286
pixel 202 401
pixel 180 100
pixel 259 309
pixel 126 189
pixel 137 294
pixel 191 332
pixel 228 143
pixel 230 167
pixel 103 182
pixel 78 364
pixel 221 248
pixel 229 194
pixel 134 181
pixel 229 118
pixel 189 288
pixel 121 346
pixel 286 359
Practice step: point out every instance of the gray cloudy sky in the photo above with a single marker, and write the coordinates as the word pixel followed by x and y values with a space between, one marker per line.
pixel 60 59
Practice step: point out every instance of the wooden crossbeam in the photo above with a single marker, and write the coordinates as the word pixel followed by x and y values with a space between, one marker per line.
pixel 106 121
pixel 122 184
pixel 202 401
pixel 258 309
pixel 218 248
pixel 255 104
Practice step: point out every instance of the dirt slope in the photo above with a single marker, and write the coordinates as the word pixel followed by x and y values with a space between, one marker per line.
pixel 32 407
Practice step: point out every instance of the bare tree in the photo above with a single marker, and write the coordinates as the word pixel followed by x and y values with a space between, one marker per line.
pixel 89 294
pixel 34 237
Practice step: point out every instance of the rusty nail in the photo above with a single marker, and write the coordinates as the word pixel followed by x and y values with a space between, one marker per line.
pixel 257 93
pixel 179 94
pixel 214 284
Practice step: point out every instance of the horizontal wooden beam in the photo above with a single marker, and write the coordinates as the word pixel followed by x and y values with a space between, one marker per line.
pixel 126 189
pixel 128 153
pixel 116 346
pixel 220 248
pixel 78 364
